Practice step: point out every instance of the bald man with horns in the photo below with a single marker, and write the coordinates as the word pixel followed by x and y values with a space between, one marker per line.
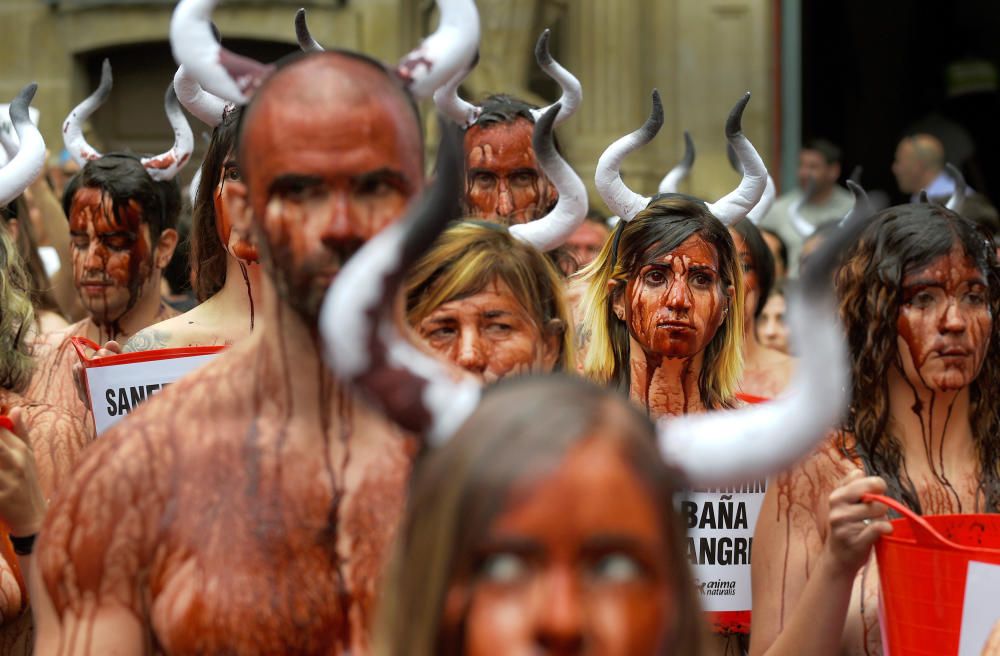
pixel 248 508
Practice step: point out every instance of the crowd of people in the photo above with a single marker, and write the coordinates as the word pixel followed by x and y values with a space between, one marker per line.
pixel 458 410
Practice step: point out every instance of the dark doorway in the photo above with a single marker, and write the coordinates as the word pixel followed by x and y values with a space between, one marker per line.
pixel 133 120
pixel 876 71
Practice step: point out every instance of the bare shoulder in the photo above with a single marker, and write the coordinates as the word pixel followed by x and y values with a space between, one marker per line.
pixel 197 327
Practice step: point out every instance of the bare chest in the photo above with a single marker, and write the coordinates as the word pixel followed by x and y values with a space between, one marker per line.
pixel 275 549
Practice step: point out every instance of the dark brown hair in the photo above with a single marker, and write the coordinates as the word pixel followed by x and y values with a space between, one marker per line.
pixel 208 253
pixel 897 241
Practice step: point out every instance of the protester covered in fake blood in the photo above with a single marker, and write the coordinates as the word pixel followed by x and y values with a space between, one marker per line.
pixel 918 297
pixel 510 558
pixel 766 372
pixel 664 304
pixel 665 310
pixel 665 313
pixel 307 485
pixel 503 180
pixel 122 212
pixel 225 265
pixel 492 305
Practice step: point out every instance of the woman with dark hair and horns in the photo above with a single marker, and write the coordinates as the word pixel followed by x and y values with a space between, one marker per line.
pixel 918 297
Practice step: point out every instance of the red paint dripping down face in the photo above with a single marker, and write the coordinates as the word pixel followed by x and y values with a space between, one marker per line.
pixel 112 258
pixel 237 246
pixel 558 576
pixel 944 323
pixel 503 180
pixel 331 154
pixel 675 304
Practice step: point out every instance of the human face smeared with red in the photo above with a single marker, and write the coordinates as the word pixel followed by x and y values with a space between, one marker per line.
pixel 236 245
pixel 331 154
pixel 490 334
pixel 751 285
pixel 566 568
pixel 503 180
pixel 112 258
pixel 944 323
pixel 675 303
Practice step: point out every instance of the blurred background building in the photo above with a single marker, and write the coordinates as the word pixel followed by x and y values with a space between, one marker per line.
pixel 858 72
pixel 701 55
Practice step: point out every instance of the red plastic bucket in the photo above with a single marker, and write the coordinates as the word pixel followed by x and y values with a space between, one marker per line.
pixel 922 567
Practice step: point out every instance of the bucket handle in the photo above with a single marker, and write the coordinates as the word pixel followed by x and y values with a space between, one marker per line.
pixel 923 532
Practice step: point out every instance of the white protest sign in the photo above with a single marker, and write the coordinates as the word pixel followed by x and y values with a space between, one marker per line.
pixel 720 524
pixel 980 610
pixel 119 383
pixel 8 128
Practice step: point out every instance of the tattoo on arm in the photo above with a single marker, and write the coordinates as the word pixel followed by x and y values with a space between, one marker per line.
pixel 146 340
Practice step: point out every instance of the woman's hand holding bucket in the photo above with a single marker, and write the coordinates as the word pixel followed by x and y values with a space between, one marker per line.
pixel 854 525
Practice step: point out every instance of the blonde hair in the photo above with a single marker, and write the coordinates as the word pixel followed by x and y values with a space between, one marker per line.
pixel 470 255
pixel 16 317
pixel 657 230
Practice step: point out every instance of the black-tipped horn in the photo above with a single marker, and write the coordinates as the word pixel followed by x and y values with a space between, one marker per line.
pixel 735 205
pixel 306 41
pixel 76 144
pixel 552 230
pixel 621 200
pixel 862 205
pixel 26 165
pixel 572 91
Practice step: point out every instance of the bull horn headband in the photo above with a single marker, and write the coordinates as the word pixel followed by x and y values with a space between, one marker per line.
pixel 465 113
pixel 25 165
pixel 552 230
pixel 958 196
pixel 422 394
pixel 729 209
pixel 672 180
pixel 164 166
pixel 621 200
pixel 862 208
pixel 235 78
